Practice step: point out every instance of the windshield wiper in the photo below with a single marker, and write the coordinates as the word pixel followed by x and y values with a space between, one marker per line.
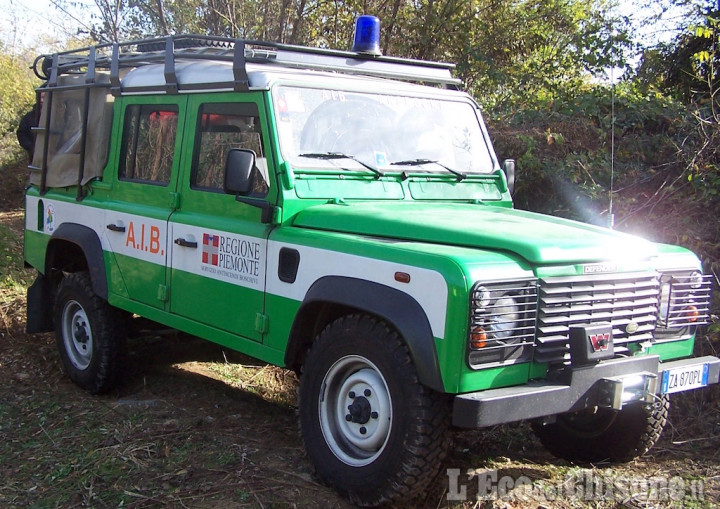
pixel 419 162
pixel 338 155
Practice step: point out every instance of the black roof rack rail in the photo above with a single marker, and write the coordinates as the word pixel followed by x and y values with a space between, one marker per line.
pixel 116 57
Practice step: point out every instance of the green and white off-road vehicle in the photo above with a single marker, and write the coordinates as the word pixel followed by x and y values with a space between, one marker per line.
pixel 344 215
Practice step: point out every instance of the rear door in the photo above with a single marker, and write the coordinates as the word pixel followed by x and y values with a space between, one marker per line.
pixel 145 194
pixel 218 244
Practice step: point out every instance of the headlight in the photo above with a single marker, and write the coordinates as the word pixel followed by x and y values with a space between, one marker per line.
pixel 684 302
pixel 696 280
pixel 502 322
pixel 481 297
pixel 504 317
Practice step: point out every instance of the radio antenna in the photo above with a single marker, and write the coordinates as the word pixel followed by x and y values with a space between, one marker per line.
pixel 611 215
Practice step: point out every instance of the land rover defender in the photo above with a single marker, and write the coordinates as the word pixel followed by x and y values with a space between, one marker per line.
pixel 343 214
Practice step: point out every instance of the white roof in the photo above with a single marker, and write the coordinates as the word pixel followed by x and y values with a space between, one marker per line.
pixel 191 75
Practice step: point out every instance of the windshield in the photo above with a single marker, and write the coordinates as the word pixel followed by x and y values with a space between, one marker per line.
pixel 387 132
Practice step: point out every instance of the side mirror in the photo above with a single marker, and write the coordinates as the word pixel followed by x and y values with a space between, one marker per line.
pixel 238 171
pixel 508 167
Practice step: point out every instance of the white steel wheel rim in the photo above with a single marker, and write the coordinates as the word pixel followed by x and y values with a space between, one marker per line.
pixel 77 335
pixel 355 411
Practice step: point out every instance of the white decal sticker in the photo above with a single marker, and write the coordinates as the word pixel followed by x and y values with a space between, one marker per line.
pixel 427 287
pixel 225 256
pixel 238 258
pixel 50 218
pixel 135 236
pixel 294 101
pixel 381 159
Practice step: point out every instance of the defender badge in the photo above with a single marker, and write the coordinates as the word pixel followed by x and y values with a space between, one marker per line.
pixel 598 268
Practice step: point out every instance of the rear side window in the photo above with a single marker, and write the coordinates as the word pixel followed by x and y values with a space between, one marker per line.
pixel 148 143
pixel 222 127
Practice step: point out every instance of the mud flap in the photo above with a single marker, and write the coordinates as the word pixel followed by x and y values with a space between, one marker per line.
pixel 39 306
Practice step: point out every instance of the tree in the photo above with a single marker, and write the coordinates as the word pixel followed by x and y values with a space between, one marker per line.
pixel 508 53
pixel 519 53
pixel 16 90
pixel 678 64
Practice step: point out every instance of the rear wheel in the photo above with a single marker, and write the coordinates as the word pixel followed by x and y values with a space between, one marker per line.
pixel 371 430
pixel 89 334
pixel 605 434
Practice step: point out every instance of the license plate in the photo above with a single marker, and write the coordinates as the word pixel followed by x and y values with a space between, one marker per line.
pixel 685 378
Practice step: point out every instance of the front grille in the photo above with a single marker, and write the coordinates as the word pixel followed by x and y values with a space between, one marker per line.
pixel 627 301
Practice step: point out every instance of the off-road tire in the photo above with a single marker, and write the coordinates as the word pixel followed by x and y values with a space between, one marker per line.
pixel 409 422
pixel 89 334
pixel 608 435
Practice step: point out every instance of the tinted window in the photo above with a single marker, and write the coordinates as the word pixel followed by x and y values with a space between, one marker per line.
pixel 222 127
pixel 149 143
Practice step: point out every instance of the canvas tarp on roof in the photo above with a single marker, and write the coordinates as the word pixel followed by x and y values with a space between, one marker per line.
pixel 65 135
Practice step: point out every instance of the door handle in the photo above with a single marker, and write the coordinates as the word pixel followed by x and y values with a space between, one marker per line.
pixel 186 243
pixel 116 228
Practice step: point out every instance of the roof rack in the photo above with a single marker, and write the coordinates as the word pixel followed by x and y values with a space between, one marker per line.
pixel 117 57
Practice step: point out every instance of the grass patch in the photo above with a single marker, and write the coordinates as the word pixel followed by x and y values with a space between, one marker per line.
pixel 15 277
pixel 271 383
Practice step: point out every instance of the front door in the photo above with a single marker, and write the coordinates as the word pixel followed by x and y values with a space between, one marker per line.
pixel 219 245
pixel 145 194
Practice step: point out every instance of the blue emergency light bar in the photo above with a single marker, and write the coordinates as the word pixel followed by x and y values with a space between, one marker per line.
pixel 367 36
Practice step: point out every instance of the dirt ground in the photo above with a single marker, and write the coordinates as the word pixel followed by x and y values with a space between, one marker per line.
pixel 196 426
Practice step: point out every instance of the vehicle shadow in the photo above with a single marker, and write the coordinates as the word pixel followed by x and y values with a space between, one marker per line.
pixel 485 467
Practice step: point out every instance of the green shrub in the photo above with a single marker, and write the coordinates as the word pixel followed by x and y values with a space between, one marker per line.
pixel 16 90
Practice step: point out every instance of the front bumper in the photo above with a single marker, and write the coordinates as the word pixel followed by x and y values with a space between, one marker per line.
pixel 573 389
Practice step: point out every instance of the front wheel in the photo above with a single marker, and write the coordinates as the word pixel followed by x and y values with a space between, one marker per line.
pixel 89 334
pixel 605 434
pixel 371 430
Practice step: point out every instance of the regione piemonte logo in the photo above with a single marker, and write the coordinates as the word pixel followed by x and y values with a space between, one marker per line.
pixel 210 249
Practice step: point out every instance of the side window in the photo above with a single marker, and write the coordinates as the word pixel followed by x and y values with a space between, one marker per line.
pixel 148 143
pixel 222 127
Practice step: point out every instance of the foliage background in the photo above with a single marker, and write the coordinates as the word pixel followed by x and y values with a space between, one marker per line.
pixel 16 98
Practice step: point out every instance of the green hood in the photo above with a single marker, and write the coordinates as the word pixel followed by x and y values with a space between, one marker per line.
pixel 537 238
